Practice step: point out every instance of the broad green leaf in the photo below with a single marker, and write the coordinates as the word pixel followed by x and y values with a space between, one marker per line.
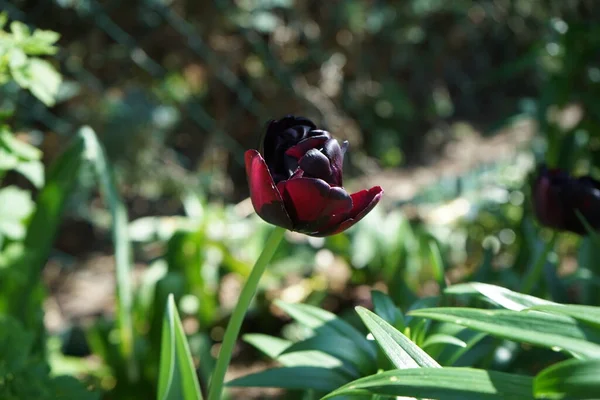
pixel 569 379
pixel 299 378
pixel 501 296
pixel 588 314
pixel 272 346
pixel 96 155
pixel 18 147
pixel 33 171
pixel 177 378
pixel 400 350
pixel 326 323
pixel 275 347
pixel 44 80
pixel 532 327
pixel 15 206
pixel 386 309
pixel 19 30
pixel 441 383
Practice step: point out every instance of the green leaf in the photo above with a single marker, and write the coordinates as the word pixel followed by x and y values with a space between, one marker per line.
pixel 177 378
pixel 441 383
pixel 587 314
pixel 440 338
pixel 386 309
pixel 571 379
pixel 22 295
pixel 44 80
pixel 501 296
pixel 328 324
pixel 532 327
pixel 437 263
pixel 399 349
pixel 272 346
pixel 19 30
pixel 340 348
pixel 18 147
pixel 33 171
pixel 15 206
pixel 299 378
pixel 120 235
pixel 275 348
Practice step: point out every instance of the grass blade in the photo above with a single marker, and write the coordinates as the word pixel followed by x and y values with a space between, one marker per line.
pixel 177 378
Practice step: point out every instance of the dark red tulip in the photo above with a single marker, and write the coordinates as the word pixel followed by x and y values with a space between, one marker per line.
pixel 296 180
pixel 557 195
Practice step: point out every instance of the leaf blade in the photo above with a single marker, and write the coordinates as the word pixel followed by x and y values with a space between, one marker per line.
pixel 445 383
pixel 401 351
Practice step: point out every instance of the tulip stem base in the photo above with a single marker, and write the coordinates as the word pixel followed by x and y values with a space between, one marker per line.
pixel 239 312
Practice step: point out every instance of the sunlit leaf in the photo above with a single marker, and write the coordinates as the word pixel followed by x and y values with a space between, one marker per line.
pixel 587 314
pixel 503 297
pixel 402 352
pixel 536 328
pixel 325 323
pixel 177 378
pixel 300 378
pixel 441 383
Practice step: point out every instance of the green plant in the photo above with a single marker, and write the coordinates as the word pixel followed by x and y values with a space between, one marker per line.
pixel 408 370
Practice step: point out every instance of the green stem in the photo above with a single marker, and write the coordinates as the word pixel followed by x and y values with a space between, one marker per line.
pixel 237 317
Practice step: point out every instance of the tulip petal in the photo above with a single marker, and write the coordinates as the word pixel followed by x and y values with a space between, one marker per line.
pixel 584 197
pixel 299 150
pixel 548 206
pixel 362 203
pixel 311 203
pixel 266 199
pixel 335 154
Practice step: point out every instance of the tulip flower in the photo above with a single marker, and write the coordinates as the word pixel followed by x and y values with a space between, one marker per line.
pixel 296 180
pixel 557 196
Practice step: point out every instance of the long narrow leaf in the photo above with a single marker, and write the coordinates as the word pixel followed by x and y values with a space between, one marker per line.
pixel 96 155
pixel 536 328
pixel 325 323
pixel 400 350
pixel 588 314
pixel 341 348
pixel 275 348
pixel 572 378
pixel 441 383
pixel 177 378
pixel 298 378
pixel 503 297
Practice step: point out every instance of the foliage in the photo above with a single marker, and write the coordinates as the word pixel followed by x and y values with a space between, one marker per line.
pixel 25 375
pixel 482 295
pixel 19 61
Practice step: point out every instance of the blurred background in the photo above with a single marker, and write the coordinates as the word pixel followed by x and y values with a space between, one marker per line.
pixel 448 105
